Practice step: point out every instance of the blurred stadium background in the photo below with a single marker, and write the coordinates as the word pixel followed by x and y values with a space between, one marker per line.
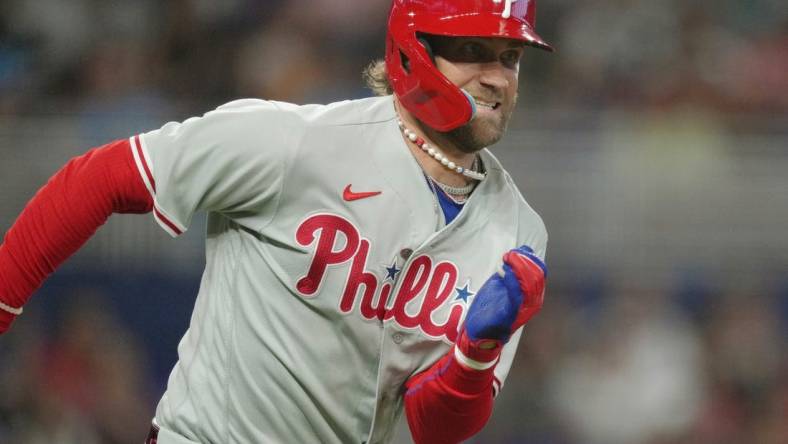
pixel 654 143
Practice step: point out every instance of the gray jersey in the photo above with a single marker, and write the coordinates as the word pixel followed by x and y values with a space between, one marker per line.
pixel 331 277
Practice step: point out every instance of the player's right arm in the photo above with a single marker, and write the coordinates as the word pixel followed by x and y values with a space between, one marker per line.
pixel 231 160
pixel 62 216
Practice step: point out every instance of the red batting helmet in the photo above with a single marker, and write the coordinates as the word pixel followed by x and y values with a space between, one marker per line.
pixel 418 84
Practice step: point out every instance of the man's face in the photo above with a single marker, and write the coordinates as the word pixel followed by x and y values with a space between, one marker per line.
pixel 488 70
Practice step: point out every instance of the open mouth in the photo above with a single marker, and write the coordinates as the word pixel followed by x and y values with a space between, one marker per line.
pixel 487 105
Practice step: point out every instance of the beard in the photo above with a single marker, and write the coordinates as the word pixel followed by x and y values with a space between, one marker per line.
pixel 482 132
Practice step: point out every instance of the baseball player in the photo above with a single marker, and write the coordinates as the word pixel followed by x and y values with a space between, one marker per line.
pixel 364 258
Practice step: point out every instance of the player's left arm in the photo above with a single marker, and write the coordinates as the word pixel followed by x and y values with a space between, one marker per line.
pixel 453 400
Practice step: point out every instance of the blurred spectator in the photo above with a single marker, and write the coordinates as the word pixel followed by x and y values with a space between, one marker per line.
pixel 277 64
pixel 745 365
pixel 724 55
pixel 87 384
pixel 638 378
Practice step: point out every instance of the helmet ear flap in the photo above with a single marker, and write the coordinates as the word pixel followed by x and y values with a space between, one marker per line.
pixel 471 101
pixel 427 47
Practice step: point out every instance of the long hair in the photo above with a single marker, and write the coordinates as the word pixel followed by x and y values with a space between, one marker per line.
pixel 377 78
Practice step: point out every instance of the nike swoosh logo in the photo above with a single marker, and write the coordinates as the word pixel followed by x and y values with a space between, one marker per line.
pixel 351 196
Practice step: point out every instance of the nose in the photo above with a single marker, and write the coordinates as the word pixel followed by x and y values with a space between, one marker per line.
pixel 494 76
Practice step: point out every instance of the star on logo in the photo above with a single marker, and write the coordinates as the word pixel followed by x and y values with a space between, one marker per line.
pixel 464 293
pixel 392 271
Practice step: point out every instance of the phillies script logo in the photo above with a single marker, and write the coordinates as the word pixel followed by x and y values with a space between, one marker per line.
pixel 337 241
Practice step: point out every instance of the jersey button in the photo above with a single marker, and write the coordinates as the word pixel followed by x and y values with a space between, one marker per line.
pixel 405 253
pixel 397 338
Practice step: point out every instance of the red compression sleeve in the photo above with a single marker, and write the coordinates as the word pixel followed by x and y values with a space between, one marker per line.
pixel 63 215
pixel 450 402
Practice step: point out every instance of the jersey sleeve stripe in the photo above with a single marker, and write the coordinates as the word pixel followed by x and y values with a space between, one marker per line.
pixel 145 155
pixel 168 225
pixel 142 161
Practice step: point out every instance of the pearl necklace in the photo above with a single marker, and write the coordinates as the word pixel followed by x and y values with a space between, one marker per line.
pixel 437 155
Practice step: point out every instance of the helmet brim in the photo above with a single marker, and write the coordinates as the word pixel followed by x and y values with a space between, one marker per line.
pixel 483 25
